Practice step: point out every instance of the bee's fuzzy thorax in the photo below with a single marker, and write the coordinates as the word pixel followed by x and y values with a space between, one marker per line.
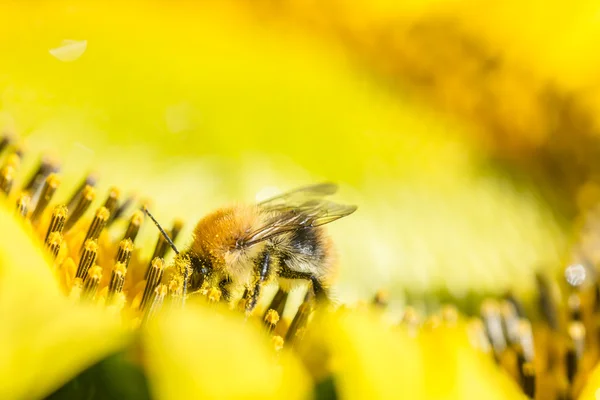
pixel 217 233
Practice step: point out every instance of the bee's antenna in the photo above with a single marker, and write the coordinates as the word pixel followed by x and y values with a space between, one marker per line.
pixel 162 231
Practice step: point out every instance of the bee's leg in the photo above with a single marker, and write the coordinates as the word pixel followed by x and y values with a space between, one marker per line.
pixel 263 269
pixel 319 291
pixel 224 287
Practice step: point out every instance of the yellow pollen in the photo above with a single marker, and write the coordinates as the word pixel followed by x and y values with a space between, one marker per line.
pixel 278 302
pixel 272 317
pixel 175 286
pixel 277 342
pixel 214 295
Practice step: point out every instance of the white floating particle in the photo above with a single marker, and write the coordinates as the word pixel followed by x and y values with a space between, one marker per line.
pixel 69 50
pixel 575 274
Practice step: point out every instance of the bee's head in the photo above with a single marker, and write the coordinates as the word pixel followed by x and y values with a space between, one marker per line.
pixel 202 269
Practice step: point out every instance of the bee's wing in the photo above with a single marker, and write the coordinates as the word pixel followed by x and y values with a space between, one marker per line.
pixel 299 196
pixel 288 218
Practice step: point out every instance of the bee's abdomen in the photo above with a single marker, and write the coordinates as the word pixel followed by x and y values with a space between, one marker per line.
pixel 308 242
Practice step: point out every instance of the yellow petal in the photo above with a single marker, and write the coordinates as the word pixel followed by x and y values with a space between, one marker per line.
pixel 209 354
pixel 44 339
pixel 370 360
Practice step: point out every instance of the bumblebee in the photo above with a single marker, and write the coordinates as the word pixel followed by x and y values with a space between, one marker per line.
pixel 241 248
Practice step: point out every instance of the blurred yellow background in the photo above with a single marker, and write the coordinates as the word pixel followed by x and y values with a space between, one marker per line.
pixel 412 108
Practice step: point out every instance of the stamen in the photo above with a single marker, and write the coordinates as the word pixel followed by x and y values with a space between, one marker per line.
pixel 53 243
pixel 88 257
pixel 516 304
pixel 8 172
pixel 97 225
pixel 477 335
pixel 4 142
pixel 13 160
pixel 410 316
pixel 526 340
pixel 155 273
pixel 184 268
pixel 271 319
pixel 134 225
pixel 493 326
pixel 112 201
pixel 57 222
pixel 162 245
pixel 528 379
pixel 124 252
pixel 117 280
pixel 381 299
pixel 7 178
pixel 575 349
pixel 91 283
pixel 83 203
pixel 596 297
pixel 23 204
pixel 89 180
pixel 45 168
pixel 299 322
pixel 159 251
pixel 158 299
pixel 450 315
pixel 175 230
pixel 510 321
pixel 121 209
pixel 547 302
pixel 574 303
pixel 50 185
pixel 278 303
pixel 175 287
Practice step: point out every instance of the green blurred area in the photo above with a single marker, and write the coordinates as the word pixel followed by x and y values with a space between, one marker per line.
pixel 115 377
